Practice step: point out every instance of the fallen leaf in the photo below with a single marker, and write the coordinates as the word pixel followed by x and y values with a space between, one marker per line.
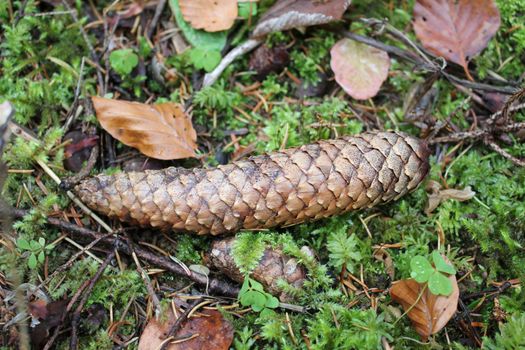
pixel 79 150
pixel 210 15
pixel 45 317
pixel 359 69
pixel 160 131
pixel 457 30
pixel 438 195
pixel 265 60
pixel 288 14
pixel 212 330
pixel 431 312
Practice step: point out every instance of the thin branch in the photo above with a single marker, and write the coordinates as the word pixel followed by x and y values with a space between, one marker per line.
pixel 73 343
pixel 216 286
pixel 158 12
pixel 247 46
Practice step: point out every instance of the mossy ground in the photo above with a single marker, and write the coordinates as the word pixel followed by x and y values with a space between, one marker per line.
pixel 40 58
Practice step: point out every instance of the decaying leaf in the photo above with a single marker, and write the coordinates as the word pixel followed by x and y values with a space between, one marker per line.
pixel 456 30
pixel 210 15
pixel 265 60
pixel 160 131
pixel 359 69
pixel 273 266
pixel 430 313
pixel 288 14
pixel 210 331
pixel 438 195
pixel 44 318
pixel 78 151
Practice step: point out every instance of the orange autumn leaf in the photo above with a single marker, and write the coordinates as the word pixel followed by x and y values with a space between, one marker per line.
pixel 210 15
pixel 431 312
pixel 456 30
pixel 211 331
pixel 160 131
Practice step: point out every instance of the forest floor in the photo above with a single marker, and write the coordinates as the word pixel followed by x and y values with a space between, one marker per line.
pixel 66 283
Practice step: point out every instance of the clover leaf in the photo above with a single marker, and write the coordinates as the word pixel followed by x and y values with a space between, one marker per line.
pixel 252 294
pixel 435 276
pixel 123 61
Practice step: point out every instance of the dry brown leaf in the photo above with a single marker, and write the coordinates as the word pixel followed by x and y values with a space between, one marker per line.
pixel 210 15
pixel 456 29
pixel 213 332
pixel 288 14
pixel 359 69
pixel 432 312
pixel 160 131
pixel 438 195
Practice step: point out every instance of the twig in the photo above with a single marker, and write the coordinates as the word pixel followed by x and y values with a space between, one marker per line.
pixel 69 306
pixel 73 343
pixel 247 46
pixel 145 278
pixel 158 12
pixel 72 112
pixel 86 40
pixel 496 148
pixel 216 286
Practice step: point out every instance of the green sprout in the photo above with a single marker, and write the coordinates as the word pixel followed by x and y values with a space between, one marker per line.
pixel 36 249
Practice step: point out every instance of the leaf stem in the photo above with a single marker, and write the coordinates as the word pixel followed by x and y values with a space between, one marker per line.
pixel 413 305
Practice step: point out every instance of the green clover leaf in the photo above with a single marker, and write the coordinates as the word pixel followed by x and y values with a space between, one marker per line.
pixel 421 269
pixel 441 264
pixel 123 61
pixel 439 284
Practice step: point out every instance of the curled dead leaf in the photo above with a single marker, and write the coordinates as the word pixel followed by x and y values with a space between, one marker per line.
pixel 437 195
pixel 210 15
pixel 160 131
pixel 359 69
pixel 431 312
pixel 456 30
pixel 288 14
pixel 210 331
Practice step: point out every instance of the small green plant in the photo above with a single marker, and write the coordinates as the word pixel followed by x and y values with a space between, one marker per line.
pixel 123 61
pixel 36 249
pixel 436 276
pixel 244 339
pixel 343 250
pixel 510 336
pixel 252 294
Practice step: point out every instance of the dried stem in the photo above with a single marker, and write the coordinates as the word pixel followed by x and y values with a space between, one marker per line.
pixel 216 286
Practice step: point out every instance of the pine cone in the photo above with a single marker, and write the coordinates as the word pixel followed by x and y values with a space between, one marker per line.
pixel 277 189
